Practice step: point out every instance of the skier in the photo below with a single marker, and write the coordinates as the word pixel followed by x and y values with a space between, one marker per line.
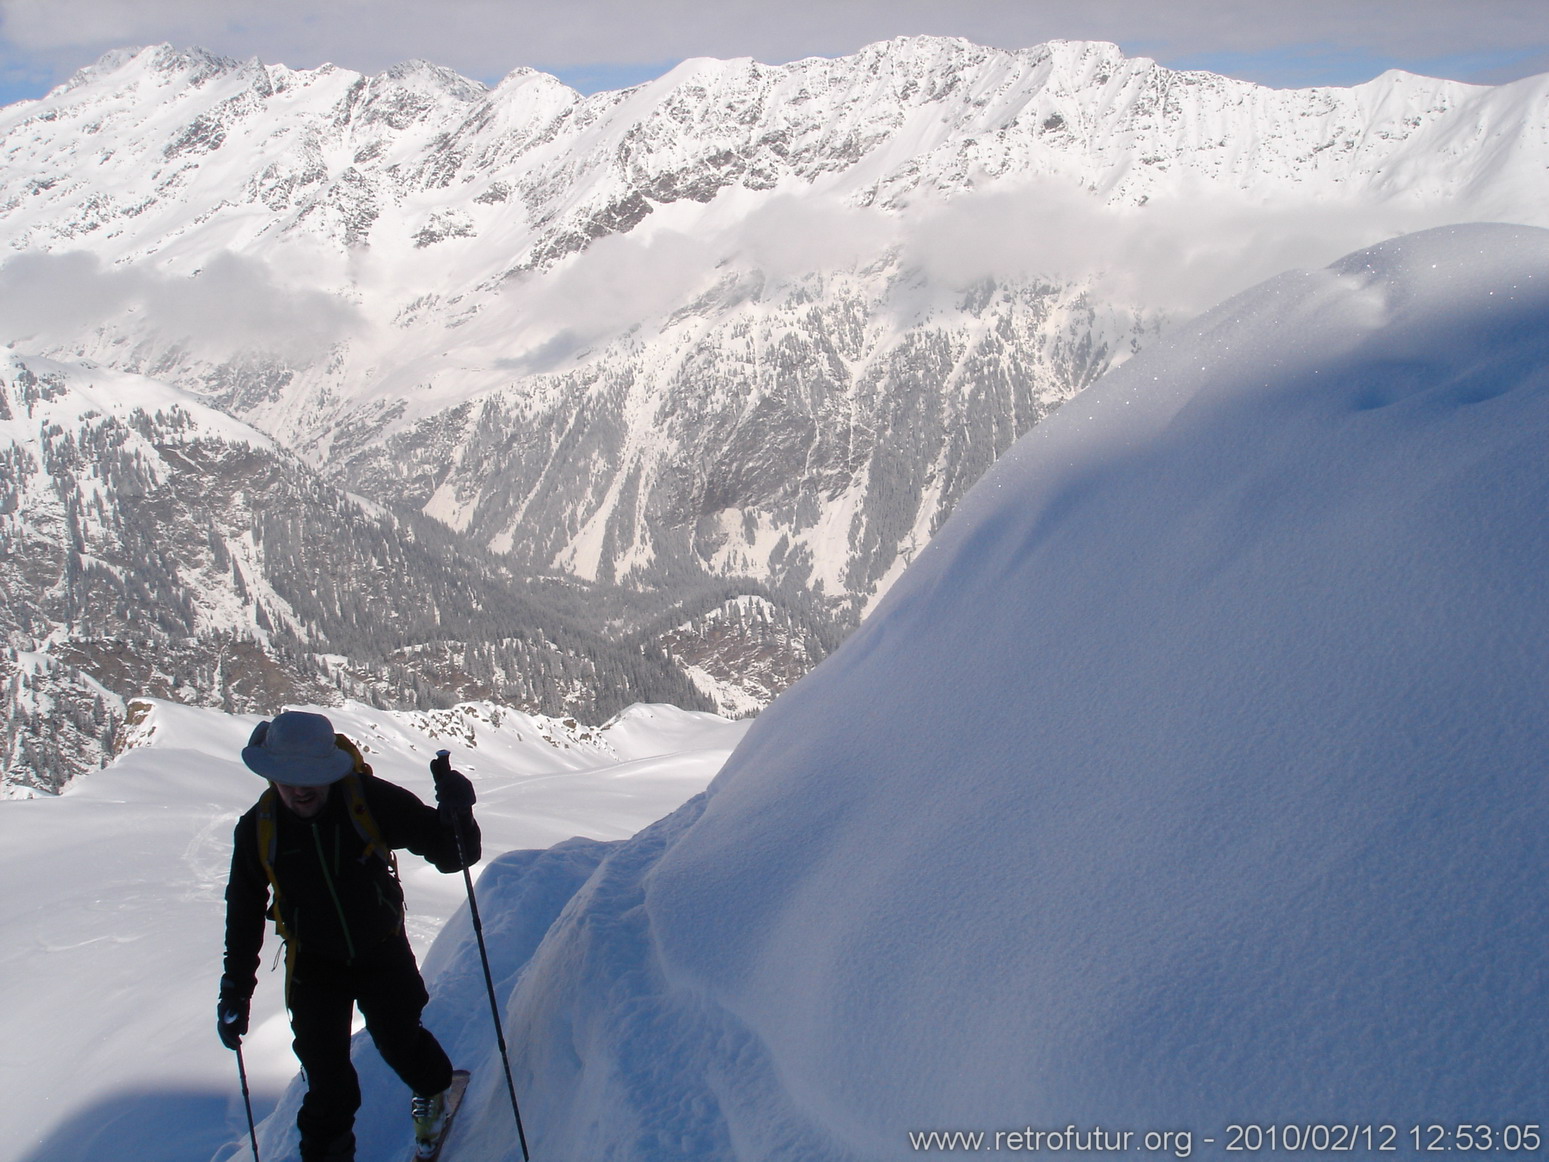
pixel 315 855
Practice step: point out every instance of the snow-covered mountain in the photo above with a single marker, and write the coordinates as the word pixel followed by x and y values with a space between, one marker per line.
pixel 746 320
pixel 1179 786
pixel 152 545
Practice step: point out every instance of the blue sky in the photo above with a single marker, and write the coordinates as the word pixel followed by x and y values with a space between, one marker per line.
pixel 606 44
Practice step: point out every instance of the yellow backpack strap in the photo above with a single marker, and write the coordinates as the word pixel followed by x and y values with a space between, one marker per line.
pixel 362 767
pixel 268 845
pixel 365 822
pixel 366 826
pixel 360 815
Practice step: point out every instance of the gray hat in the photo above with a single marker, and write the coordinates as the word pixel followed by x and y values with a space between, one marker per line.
pixel 298 749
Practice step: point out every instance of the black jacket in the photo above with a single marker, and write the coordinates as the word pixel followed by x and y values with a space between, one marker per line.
pixel 335 900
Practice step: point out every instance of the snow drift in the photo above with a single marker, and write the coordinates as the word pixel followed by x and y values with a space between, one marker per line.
pixel 1194 775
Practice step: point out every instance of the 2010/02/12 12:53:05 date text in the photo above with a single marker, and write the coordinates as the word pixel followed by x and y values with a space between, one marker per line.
pixel 1461 1137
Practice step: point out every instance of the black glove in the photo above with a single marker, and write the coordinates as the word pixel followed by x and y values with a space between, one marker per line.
pixel 231 1014
pixel 454 793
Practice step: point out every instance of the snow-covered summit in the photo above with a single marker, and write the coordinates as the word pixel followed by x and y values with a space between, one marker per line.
pixel 163 62
pixel 1191 777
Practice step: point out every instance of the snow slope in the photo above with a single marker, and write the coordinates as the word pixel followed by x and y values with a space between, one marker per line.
pixel 1192 776
pixel 112 913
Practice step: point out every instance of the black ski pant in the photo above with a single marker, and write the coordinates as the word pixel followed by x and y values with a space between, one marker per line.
pixel 386 984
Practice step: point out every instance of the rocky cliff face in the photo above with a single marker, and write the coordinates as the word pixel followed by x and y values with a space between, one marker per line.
pixel 152 546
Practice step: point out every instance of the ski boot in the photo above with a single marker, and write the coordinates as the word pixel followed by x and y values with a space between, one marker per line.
pixel 429 1124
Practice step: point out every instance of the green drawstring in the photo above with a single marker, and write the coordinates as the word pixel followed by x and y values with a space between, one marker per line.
pixel 322 860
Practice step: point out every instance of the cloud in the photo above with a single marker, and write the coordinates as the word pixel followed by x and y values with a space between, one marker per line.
pixel 616 283
pixel 232 305
pixel 787 237
pixel 644 277
pixel 1180 254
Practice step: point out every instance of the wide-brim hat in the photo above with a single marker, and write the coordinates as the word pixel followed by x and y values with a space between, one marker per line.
pixel 299 749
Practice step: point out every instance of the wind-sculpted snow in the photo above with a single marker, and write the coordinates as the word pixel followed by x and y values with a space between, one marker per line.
pixel 742 320
pixel 1191 777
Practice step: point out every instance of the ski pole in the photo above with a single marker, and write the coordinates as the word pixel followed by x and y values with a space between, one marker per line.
pixel 247 1100
pixel 444 757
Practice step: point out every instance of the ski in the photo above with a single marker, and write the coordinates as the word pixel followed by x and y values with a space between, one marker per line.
pixel 430 1151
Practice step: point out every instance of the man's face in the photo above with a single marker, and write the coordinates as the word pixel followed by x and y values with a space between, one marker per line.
pixel 303 801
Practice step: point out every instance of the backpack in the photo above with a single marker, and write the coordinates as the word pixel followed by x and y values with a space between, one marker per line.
pixel 360 816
